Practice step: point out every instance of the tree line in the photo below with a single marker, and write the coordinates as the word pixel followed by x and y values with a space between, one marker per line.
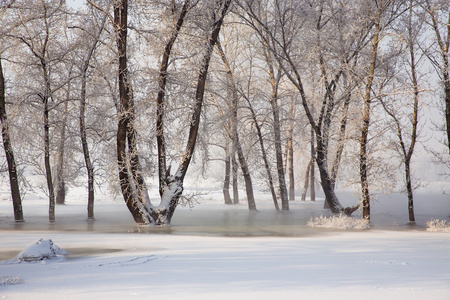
pixel 120 91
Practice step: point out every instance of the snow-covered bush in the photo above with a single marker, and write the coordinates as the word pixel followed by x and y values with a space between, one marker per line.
pixel 438 225
pixel 339 221
pixel 5 280
pixel 42 249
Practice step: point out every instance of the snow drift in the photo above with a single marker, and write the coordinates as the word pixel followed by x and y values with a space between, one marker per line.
pixel 40 250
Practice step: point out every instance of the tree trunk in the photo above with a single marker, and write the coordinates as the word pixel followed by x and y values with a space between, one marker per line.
pixel 246 175
pixel 363 165
pixel 409 191
pixel 264 155
pixel 234 171
pixel 48 169
pixel 277 139
pixel 305 186
pixel 226 181
pixel 84 143
pixel 312 180
pixel 59 178
pixel 82 121
pixel 341 141
pixel 129 186
pixel 9 153
pixel 290 156
pixel 160 99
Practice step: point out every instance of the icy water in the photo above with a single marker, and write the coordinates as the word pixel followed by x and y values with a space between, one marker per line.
pixel 214 218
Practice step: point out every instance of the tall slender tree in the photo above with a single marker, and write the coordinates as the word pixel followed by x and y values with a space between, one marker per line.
pixel 9 153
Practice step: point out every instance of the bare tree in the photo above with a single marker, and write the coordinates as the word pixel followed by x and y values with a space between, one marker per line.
pixel 407 137
pixel 7 145
pixel 234 132
pixel 439 20
pixel 45 18
pixel 281 34
pixel 92 36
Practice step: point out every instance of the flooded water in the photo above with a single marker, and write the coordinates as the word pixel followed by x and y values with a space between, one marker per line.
pixel 213 218
pixel 216 222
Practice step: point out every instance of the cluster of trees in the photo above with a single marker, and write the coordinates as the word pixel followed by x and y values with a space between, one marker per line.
pixel 120 91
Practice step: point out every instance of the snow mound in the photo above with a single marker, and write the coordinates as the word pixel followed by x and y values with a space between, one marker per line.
pixel 438 225
pixel 339 222
pixel 40 250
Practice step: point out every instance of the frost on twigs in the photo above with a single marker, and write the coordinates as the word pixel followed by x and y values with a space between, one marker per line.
pixel 191 199
pixel 438 225
pixel 40 250
pixel 341 221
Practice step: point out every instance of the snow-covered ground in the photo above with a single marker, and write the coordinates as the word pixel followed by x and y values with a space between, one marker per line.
pixel 224 252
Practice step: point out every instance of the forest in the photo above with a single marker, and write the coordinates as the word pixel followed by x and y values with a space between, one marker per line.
pixel 271 94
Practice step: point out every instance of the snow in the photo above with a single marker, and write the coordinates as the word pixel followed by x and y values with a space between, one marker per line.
pixel 438 225
pixel 234 255
pixel 339 221
pixel 41 250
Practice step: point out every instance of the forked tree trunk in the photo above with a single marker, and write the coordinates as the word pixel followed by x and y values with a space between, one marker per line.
pixel 9 153
pixel 132 183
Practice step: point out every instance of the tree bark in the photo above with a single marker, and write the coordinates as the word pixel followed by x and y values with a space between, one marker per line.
pixel 9 153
